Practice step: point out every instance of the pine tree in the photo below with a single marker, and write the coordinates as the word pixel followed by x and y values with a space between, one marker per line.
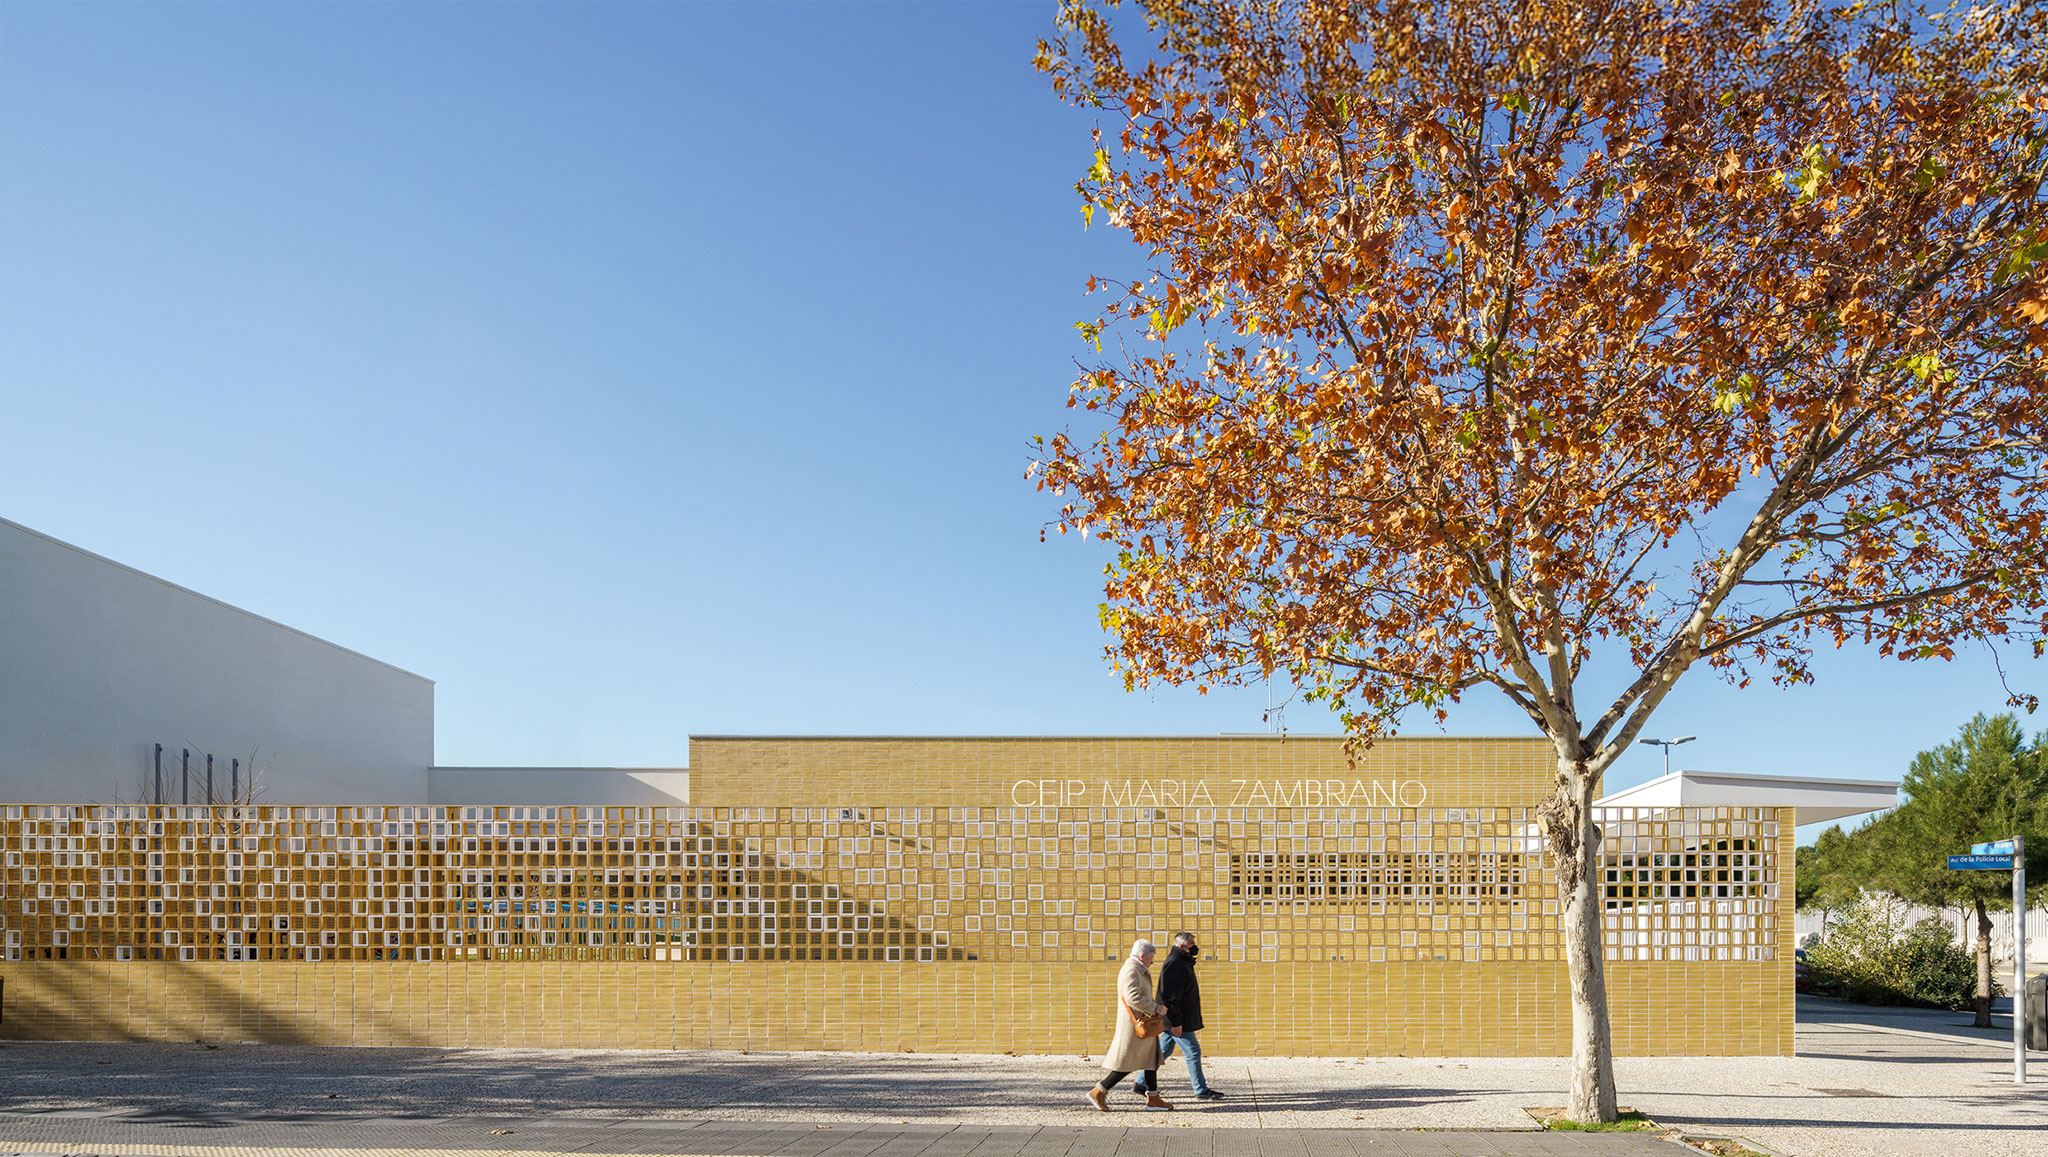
pixel 1988 784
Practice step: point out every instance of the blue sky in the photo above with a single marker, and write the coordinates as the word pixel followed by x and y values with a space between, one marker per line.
pixel 630 370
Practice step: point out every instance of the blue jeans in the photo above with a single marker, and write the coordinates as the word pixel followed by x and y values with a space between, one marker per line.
pixel 1191 1052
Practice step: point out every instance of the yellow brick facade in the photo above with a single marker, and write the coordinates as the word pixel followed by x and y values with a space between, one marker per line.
pixel 1283 1010
pixel 878 894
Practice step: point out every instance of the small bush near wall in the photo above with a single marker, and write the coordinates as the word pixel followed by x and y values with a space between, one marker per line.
pixel 1871 955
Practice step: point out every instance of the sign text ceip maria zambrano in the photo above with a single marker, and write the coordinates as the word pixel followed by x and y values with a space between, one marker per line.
pixel 1225 793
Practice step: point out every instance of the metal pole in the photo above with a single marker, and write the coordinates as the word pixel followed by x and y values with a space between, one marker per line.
pixel 234 781
pixel 159 774
pixel 209 781
pixel 2019 960
pixel 185 775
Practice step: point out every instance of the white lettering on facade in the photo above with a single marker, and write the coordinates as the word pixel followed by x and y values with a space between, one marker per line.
pixel 1378 793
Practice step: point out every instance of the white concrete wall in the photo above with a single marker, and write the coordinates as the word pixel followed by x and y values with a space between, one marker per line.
pixel 551 786
pixel 1812 921
pixel 98 662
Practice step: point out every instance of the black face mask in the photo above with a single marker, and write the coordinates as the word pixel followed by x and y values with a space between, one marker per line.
pixel 1193 950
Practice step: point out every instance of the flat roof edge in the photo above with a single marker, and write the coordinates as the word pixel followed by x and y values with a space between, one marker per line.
pixel 1750 777
pixel 1233 735
pixel 539 767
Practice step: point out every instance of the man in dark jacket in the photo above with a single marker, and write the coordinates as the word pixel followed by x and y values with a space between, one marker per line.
pixel 1181 993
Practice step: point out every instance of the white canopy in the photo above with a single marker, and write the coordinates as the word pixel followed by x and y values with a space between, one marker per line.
pixel 1817 800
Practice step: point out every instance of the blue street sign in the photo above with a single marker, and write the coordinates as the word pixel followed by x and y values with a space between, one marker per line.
pixel 1980 863
pixel 1998 848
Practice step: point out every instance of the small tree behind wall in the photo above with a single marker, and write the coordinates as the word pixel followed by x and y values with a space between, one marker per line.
pixel 1833 873
pixel 1558 349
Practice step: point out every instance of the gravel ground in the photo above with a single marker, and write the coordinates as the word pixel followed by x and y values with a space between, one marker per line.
pixel 1867 1082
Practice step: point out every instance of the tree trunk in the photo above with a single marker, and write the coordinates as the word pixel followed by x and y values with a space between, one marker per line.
pixel 1574 841
pixel 1983 967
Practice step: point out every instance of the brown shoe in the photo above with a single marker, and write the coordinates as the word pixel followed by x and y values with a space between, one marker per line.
pixel 1098 1098
pixel 1155 1101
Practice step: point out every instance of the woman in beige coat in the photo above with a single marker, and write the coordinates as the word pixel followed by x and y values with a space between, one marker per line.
pixel 1128 1052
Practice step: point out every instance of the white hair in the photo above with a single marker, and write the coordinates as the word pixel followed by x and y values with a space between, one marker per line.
pixel 1141 947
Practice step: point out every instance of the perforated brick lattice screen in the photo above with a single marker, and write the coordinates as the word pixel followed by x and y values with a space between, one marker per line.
pixel 908 885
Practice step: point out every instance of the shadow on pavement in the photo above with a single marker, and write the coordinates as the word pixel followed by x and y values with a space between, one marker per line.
pixel 194 1084
pixel 1824 1123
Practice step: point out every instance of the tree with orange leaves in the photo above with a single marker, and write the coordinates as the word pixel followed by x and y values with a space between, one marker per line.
pixel 1560 348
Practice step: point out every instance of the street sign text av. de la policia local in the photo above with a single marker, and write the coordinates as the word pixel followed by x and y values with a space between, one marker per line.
pixel 1995 857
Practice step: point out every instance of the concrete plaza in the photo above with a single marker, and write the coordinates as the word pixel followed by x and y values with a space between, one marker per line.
pixel 1866 1082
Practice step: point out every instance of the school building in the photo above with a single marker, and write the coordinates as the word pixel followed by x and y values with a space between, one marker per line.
pixel 887 893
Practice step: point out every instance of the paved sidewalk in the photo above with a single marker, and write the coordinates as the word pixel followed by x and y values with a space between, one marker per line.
pixel 1868 1083
pixel 528 1137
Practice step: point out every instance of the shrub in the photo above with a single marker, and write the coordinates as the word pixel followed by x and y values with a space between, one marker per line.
pixel 1871 956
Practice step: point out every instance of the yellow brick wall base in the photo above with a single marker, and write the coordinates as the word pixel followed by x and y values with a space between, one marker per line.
pixel 1337 1009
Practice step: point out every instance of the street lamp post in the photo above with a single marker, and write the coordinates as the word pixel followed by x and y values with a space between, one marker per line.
pixel 1667 745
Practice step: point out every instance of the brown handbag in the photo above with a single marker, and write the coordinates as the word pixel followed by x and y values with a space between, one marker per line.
pixel 1147 1026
